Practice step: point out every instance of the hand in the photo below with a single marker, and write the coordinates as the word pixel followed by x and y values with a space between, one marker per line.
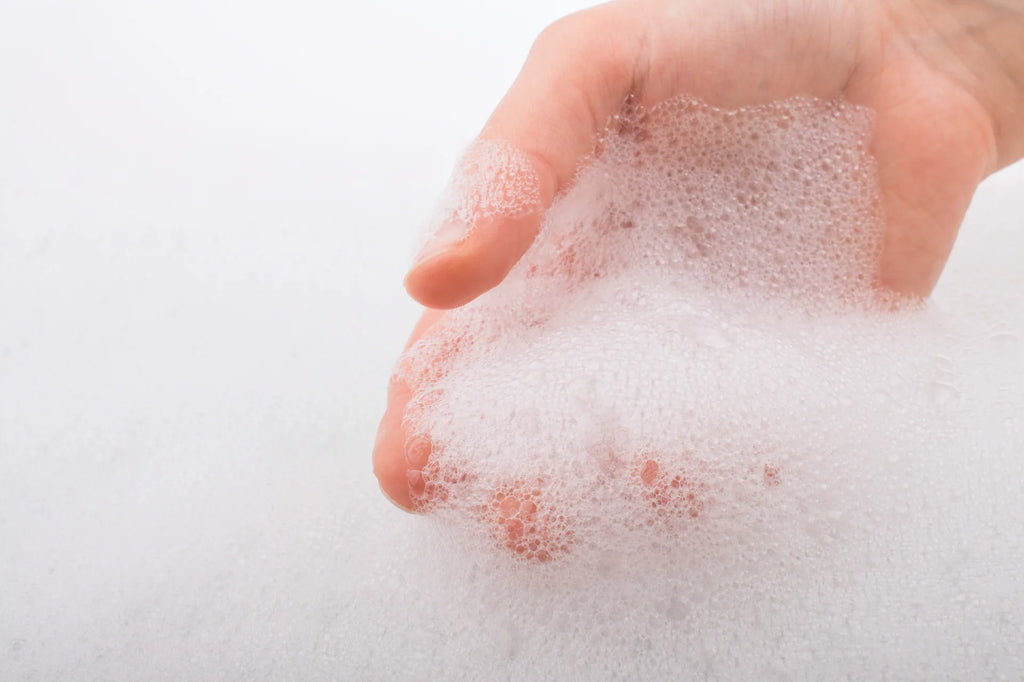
pixel 946 83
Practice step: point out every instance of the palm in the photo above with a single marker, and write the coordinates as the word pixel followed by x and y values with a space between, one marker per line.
pixel 932 142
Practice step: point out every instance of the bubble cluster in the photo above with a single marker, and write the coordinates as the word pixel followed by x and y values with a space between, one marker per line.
pixel 690 431
pixel 491 178
pixel 774 487
pixel 647 373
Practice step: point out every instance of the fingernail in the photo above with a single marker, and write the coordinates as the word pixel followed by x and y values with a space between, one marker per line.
pixel 449 236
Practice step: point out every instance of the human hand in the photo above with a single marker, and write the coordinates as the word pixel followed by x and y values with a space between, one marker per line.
pixel 945 83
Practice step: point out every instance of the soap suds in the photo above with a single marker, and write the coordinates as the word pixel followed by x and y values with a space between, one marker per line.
pixel 491 179
pixel 665 362
pixel 198 321
pixel 690 424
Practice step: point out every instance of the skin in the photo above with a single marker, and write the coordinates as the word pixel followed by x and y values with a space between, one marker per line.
pixel 945 78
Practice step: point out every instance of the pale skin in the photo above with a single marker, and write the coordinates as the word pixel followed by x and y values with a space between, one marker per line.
pixel 945 78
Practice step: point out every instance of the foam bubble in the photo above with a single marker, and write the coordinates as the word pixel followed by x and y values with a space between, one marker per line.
pixel 689 411
pixel 673 366
pixel 491 178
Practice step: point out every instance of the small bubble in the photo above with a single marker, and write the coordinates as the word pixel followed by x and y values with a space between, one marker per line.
pixel 677 609
pixel 1004 341
pixel 943 394
pixel 714 339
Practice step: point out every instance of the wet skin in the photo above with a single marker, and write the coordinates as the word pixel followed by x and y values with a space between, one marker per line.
pixel 945 79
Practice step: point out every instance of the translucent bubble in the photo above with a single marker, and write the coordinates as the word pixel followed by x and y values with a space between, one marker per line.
pixel 1004 341
pixel 943 394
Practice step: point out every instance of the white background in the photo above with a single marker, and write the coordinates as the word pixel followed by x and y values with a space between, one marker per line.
pixel 206 209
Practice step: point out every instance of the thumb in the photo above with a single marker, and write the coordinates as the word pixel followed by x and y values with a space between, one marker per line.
pixel 578 74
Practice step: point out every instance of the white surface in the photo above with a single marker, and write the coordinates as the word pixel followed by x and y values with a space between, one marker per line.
pixel 204 213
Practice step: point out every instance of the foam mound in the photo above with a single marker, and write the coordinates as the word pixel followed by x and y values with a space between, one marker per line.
pixel 645 375
pixel 692 415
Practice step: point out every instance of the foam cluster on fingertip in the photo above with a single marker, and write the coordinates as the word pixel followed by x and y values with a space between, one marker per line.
pixel 492 178
pixel 684 366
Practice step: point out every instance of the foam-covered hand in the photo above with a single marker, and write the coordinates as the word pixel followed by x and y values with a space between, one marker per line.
pixel 943 80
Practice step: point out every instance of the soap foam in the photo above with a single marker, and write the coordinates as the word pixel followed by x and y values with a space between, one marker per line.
pixel 689 409
pixel 643 370
pixel 192 367
pixel 491 178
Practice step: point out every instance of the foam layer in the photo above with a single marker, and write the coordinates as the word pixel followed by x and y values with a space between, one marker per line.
pixel 691 398
pixel 491 178
pixel 644 367
pixel 196 338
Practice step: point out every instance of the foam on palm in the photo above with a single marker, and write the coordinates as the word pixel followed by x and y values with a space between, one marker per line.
pixel 742 459
pixel 680 364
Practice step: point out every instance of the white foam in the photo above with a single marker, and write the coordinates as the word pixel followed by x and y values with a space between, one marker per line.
pixel 691 395
pixel 200 306
pixel 491 178
pixel 663 312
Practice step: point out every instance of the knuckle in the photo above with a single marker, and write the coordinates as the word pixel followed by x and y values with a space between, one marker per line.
pixel 565 34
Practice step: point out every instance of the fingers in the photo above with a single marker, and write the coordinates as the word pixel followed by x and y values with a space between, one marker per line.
pixel 454 275
pixel 577 76
pixel 395 459
pixel 933 151
pixel 389 464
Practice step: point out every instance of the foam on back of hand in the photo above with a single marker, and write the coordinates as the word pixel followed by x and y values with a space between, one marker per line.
pixel 679 367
